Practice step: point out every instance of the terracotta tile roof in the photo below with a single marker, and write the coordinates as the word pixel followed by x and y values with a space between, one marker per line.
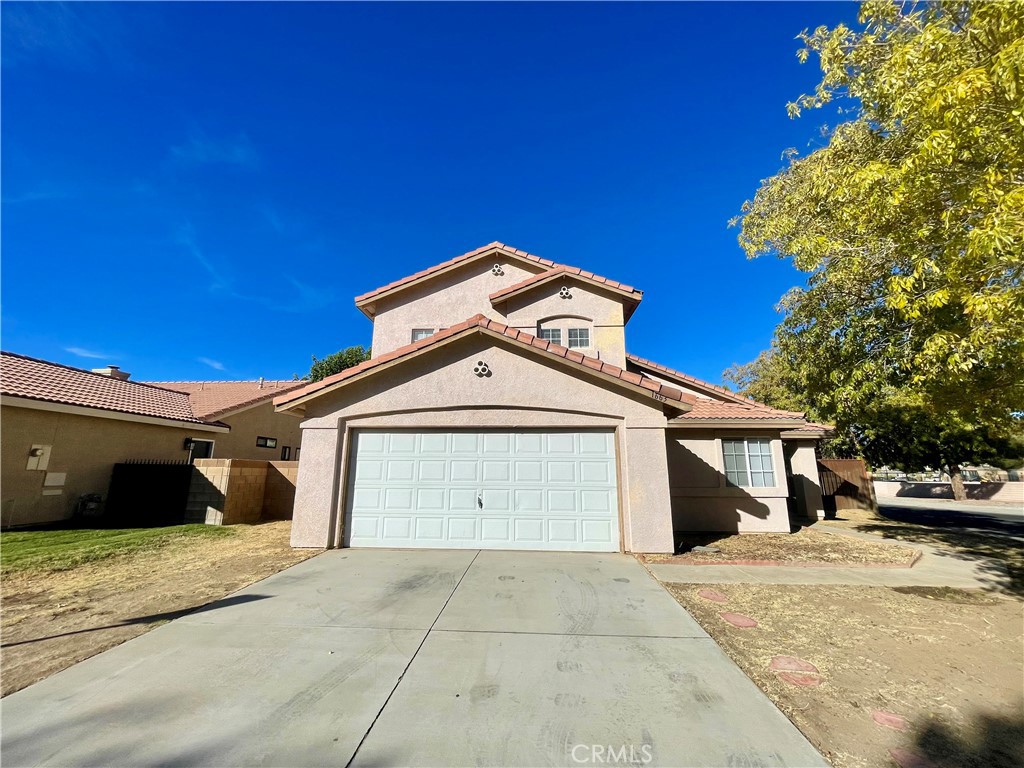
pixel 566 270
pixel 213 399
pixel 716 409
pixel 507 249
pixel 28 377
pixel 813 429
pixel 521 337
pixel 687 379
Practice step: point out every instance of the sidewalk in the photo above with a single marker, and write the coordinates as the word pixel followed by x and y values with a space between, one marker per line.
pixel 937 568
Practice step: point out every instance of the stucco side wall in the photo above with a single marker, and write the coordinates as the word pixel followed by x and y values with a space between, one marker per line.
pixel 445 300
pixel 316 488
pixel 84 449
pixel 247 425
pixel 701 499
pixel 803 463
pixel 440 389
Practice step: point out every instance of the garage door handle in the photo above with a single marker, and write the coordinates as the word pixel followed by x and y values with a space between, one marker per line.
pixel 480 502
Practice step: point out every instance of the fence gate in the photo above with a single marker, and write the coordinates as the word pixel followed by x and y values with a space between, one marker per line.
pixel 148 493
pixel 845 484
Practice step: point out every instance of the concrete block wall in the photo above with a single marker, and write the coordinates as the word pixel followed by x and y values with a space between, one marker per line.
pixel 231 491
pixel 279 491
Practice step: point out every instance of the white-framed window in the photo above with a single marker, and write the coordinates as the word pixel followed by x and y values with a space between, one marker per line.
pixel 748 462
pixel 554 335
pixel 579 337
pixel 421 333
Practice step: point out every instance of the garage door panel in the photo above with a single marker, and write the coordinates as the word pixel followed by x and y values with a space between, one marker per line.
pixel 400 469
pixel 432 470
pixel 434 442
pixel 562 531
pixel 397 527
pixel 369 469
pixel 485 489
pixel 592 502
pixel 561 471
pixel 495 529
pixel 465 442
pixel 562 501
pixel 465 471
pixel 462 499
pixel 529 531
pixel 430 528
pixel 497 471
pixel 401 442
pixel 529 500
pixel 430 499
pixel 398 499
pixel 462 528
pixel 497 442
pixel 495 499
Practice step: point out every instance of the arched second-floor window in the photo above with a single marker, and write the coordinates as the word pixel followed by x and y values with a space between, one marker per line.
pixel 570 331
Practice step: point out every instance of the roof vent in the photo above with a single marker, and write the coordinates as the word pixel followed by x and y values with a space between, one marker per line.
pixel 113 372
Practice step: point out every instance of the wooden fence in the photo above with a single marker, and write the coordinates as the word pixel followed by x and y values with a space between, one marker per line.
pixel 845 484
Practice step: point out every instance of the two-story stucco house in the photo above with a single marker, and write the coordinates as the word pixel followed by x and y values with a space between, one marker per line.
pixel 501 410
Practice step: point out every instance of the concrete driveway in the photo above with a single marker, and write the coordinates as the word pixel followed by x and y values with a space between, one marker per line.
pixel 390 657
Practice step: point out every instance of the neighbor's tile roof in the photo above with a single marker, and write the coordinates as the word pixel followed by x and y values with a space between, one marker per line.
pixel 566 270
pixel 213 399
pixel 521 337
pixel 716 409
pixel 363 298
pixel 688 379
pixel 28 377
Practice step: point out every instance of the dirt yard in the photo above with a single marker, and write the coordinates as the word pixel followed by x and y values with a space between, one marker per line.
pixel 804 547
pixel 950 662
pixel 53 619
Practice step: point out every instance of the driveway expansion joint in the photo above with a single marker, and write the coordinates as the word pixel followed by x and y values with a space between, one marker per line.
pixel 412 658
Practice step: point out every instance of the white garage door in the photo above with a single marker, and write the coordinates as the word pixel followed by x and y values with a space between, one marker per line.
pixel 483 490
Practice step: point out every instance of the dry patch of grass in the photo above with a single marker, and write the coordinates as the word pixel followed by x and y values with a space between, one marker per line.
pixel 803 547
pixel 52 619
pixel 949 661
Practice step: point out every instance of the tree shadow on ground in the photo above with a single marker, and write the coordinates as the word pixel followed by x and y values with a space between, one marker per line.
pixel 989 741
pixel 153 618
pixel 997 546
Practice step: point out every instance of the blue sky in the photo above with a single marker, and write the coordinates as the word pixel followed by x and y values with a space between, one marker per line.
pixel 197 191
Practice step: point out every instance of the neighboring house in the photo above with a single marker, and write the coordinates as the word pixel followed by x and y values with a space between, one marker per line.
pixel 64 429
pixel 501 410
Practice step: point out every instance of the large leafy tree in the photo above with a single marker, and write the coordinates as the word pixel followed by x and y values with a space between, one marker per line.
pixel 909 219
pixel 338 362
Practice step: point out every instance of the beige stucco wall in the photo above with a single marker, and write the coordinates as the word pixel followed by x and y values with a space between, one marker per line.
pixel 439 389
pixel 602 312
pixel 803 462
pixel 701 500
pixel 249 424
pixel 84 447
pixel 445 300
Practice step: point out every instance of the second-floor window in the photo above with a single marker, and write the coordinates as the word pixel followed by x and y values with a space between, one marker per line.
pixel 421 333
pixel 567 330
pixel 554 335
pixel 579 337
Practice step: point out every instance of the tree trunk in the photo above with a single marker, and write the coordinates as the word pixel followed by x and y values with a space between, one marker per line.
pixel 957 481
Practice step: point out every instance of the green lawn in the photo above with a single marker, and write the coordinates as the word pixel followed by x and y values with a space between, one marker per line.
pixel 61 550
